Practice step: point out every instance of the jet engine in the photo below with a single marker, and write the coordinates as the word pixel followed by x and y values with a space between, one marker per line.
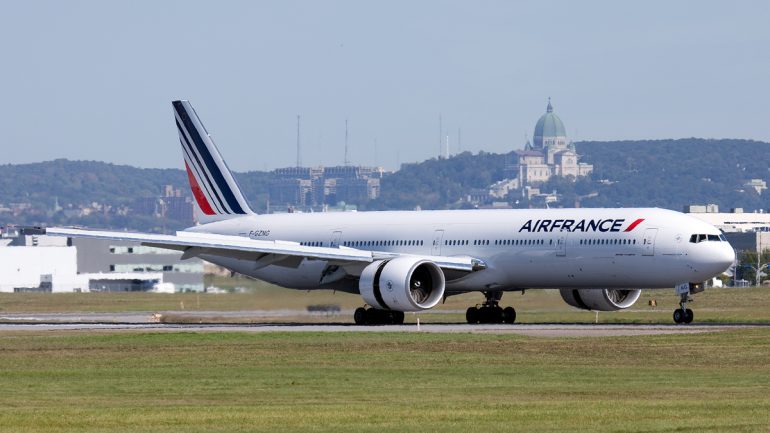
pixel 402 284
pixel 600 299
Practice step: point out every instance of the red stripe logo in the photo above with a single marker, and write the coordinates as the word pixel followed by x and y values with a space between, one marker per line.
pixel 198 193
pixel 634 224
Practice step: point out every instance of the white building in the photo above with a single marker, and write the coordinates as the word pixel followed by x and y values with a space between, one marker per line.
pixel 46 269
pixel 730 222
pixel 39 263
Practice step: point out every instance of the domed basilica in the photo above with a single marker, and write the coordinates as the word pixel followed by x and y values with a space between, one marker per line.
pixel 549 154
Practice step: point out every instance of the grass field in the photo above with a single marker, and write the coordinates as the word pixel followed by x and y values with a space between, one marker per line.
pixel 349 382
pixel 727 305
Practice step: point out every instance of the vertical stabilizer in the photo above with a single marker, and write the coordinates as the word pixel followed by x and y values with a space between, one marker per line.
pixel 217 195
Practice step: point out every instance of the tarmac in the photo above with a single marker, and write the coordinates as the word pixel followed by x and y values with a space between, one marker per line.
pixel 148 322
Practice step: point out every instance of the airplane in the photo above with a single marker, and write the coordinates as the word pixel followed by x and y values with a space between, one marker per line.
pixel 406 261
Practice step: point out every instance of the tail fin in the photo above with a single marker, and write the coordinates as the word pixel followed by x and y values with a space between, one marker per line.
pixel 217 195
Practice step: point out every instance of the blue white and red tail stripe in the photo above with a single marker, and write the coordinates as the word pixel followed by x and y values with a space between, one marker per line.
pixel 217 195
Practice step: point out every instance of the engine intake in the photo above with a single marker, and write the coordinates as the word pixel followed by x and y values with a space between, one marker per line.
pixel 402 284
pixel 600 299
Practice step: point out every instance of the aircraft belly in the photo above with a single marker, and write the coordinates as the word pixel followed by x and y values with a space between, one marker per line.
pixel 306 276
pixel 621 271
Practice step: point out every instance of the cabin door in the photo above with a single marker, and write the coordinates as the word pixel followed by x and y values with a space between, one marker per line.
pixel 438 239
pixel 561 244
pixel 649 242
pixel 335 241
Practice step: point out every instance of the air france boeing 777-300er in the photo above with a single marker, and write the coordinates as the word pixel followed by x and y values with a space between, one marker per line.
pixel 400 261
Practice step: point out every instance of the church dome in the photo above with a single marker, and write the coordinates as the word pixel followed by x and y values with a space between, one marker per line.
pixel 548 126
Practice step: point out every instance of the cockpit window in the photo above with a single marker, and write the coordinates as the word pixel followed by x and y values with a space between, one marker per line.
pixel 700 237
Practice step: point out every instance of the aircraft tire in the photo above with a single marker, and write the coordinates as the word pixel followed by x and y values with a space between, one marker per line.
pixel 688 316
pixel 397 317
pixel 472 315
pixel 679 316
pixel 360 316
pixel 509 315
pixel 498 315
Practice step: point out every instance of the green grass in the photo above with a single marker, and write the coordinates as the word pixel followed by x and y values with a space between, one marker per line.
pixel 351 382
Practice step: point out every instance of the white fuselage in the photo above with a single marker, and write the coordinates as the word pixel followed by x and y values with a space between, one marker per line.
pixel 541 248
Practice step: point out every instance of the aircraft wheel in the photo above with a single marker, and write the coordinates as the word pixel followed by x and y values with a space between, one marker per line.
pixel 376 317
pixel 484 315
pixel 359 316
pixel 472 315
pixel 509 315
pixel 679 316
pixel 497 315
pixel 397 317
pixel 688 316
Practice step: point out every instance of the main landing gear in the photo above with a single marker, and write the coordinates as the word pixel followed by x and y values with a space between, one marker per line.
pixel 490 311
pixel 373 316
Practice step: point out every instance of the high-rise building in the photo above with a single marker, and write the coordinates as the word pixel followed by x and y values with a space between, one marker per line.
pixel 318 186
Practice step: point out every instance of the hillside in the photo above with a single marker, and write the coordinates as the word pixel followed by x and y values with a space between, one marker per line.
pixel 673 173
pixel 662 173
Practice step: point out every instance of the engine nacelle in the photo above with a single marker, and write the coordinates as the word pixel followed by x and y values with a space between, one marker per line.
pixel 402 284
pixel 600 299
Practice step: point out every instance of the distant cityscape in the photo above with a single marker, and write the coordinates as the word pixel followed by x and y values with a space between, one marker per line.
pixel 548 170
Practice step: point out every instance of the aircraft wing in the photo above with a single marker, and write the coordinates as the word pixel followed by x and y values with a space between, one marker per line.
pixel 193 244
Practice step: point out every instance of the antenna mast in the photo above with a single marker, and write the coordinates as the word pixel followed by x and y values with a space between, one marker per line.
pixel 346 142
pixel 299 157
pixel 440 135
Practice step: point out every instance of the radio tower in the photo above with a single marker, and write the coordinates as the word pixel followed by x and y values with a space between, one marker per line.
pixel 346 142
pixel 440 136
pixel 299 157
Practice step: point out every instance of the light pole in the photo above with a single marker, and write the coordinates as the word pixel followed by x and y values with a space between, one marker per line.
pixel 759 270
pixel 760 266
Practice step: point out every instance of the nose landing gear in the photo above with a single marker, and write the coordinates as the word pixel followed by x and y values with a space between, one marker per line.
pixel 683 315
pixel 684 290
pixel 490 311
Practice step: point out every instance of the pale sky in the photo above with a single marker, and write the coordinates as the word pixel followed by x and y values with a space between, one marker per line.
pixel 94 79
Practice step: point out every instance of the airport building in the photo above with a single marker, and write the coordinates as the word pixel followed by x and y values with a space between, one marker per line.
pixel 730 222
pixel 104 257
pixel 746 231
pixel 40 263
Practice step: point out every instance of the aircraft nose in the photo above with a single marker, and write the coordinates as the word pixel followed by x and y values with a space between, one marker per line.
pixel 726 256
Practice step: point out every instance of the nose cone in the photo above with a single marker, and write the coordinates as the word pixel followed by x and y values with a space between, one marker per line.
pixel 727 255
pixel 723 258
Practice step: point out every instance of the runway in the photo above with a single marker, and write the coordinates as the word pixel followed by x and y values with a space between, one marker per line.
pixel 44 324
